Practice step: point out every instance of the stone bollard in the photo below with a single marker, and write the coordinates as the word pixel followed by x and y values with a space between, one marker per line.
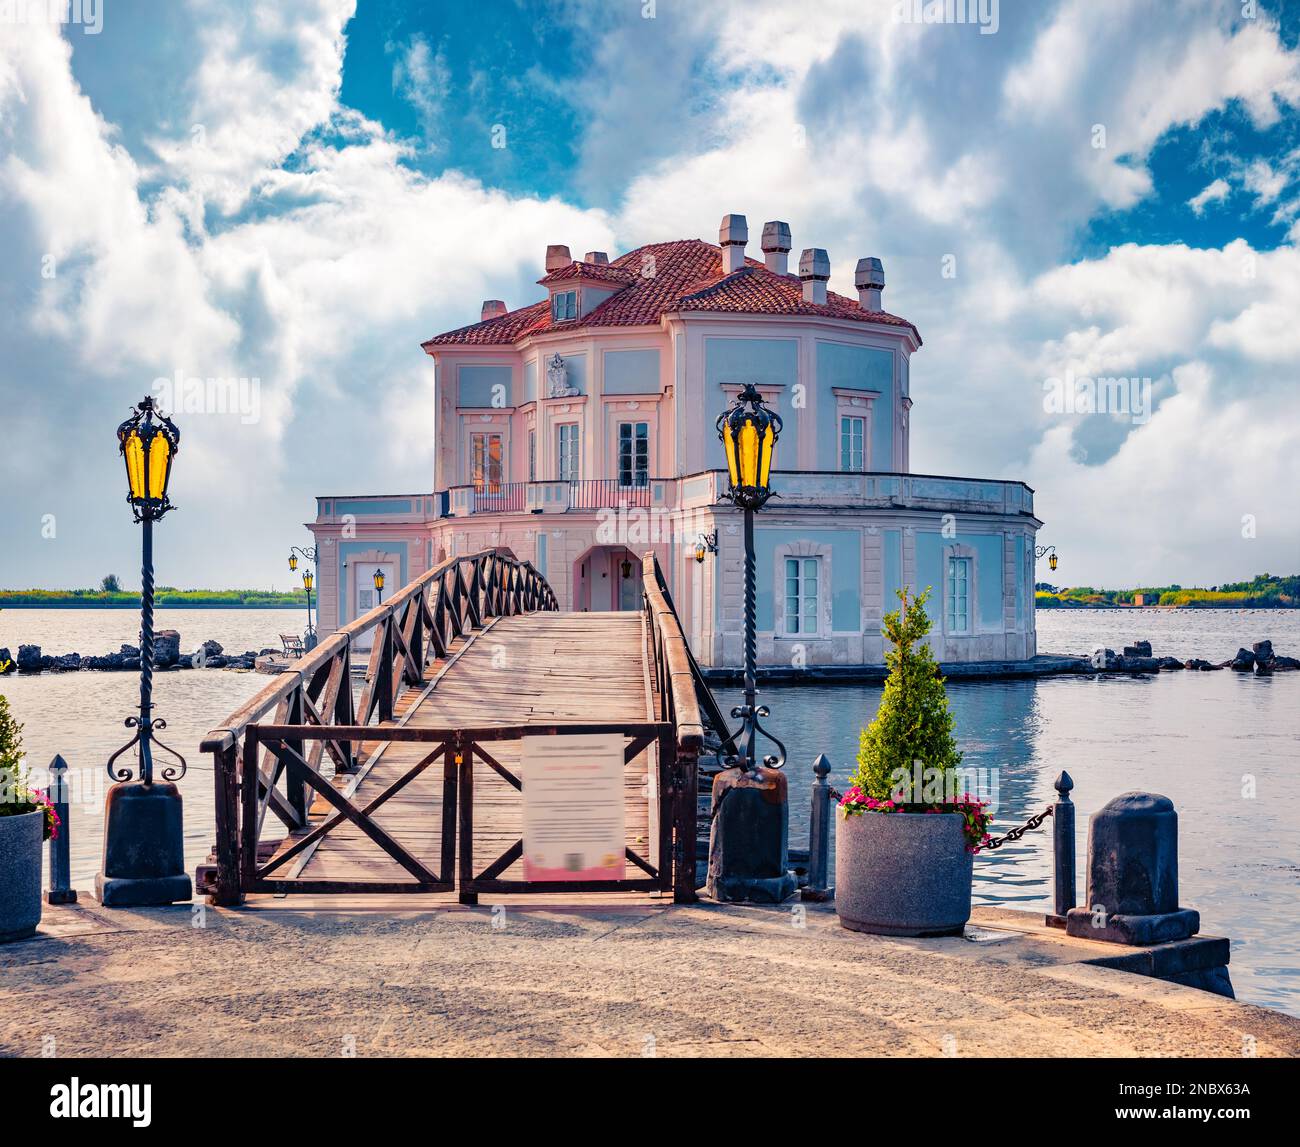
pixel 1062 851
pixel 749 837
pixel 820 817
pixel 1133 875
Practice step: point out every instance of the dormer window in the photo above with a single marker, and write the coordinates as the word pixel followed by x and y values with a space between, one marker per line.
pixel 564 305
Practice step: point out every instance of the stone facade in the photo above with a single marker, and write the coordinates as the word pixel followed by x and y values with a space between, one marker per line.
pixel 581 442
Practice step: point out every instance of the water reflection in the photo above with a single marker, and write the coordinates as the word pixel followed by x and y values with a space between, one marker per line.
pixel 1178 734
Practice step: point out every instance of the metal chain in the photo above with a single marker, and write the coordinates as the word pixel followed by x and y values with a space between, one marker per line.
pixel 1016 833
pixel 998 841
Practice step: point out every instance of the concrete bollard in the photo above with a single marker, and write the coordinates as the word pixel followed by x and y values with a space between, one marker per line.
pixel 749 837
pixel 1133 875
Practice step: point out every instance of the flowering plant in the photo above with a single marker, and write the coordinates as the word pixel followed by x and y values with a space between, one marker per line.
pixel 976 814
pixel 16 795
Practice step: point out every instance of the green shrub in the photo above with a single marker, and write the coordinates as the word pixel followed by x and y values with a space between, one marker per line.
pixel 913 722
pixel 16 795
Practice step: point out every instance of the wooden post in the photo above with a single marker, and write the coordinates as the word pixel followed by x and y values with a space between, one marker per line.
pixel 225 773
pixel 466 811
pixel 248 785
pixel 295 790
pixel 384 681
pixel 450 780
pixel 685 765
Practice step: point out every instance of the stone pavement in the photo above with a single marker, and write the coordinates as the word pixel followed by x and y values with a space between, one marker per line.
pixel 282 980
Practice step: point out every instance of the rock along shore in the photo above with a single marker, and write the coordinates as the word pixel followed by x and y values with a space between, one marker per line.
pixel 166 651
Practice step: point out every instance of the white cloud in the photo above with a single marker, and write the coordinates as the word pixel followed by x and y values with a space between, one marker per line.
pixel 909 142
pixel 421 77
pixel 1214 192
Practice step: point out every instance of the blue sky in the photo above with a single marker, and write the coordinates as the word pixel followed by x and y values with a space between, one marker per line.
pixel 301 193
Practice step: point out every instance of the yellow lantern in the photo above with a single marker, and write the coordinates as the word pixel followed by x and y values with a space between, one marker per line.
pixel 293 562
pixel 147 448
pixel 749 432
pixel 307 580
pixel 378 579
pixel 1051 561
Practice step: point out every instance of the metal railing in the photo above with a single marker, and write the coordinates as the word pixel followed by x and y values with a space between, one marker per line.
pixel 610 493
pixel 554 494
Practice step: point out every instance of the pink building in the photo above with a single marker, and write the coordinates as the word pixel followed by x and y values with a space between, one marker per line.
pixel 578 432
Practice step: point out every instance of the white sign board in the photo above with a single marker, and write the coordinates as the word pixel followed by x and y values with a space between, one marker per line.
pixel 573 807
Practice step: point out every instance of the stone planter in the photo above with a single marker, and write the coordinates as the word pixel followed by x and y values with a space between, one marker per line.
pixel 20 874
pixel 902 873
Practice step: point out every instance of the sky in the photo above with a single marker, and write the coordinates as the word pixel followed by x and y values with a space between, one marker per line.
pixel 300 193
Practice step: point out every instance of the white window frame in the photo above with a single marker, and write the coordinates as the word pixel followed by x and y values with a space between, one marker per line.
pixel 849 422
pixel 958 558
pixel 636 471
pixel 855 404
pixel 486 482
pixel 796 569
pixel 564 306
pixel 573 460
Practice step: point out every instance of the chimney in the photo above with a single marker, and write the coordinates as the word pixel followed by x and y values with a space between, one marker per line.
pixel 776 247
pixel 869 279
pixel 492 308
pixel 557 257
pixel 733 235
pixel 814 270
pixel 596 257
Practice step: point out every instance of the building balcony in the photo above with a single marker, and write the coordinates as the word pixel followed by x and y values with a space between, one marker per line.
pixel 822 489
pixel 813 489
pixel 559 496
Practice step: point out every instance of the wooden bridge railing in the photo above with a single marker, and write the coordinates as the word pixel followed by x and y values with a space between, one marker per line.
pixel 686 702
pixel 418 623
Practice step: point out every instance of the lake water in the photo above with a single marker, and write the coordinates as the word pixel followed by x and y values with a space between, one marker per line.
pixel 1192 736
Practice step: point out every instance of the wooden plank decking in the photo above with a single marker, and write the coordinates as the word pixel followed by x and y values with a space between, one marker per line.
pixel 537 668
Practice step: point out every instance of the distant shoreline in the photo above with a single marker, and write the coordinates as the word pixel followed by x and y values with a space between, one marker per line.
pixel 157 605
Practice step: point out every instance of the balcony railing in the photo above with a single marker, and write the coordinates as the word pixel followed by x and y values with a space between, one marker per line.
pixel 873 490
pixel 558 496
pixel 798 488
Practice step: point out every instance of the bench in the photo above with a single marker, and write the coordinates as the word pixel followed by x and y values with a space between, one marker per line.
pixel 292 644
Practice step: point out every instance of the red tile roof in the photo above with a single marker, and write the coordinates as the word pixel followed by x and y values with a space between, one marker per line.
pixel 606 272
pixel 684 275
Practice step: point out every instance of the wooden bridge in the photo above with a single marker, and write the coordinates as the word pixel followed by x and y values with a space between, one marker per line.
pixel 415 786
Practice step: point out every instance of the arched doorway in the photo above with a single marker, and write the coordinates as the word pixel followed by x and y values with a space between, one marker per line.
pixel 607 578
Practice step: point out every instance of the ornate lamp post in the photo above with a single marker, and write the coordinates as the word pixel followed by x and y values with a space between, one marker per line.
pixel 309 639
pixel 144 860
pixel 308 577
pixel 749 433
pixel 749 837
pixel 706 544
pixel 378 579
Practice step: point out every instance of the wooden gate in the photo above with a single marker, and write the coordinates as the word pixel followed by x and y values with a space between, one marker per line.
pixel 456 753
